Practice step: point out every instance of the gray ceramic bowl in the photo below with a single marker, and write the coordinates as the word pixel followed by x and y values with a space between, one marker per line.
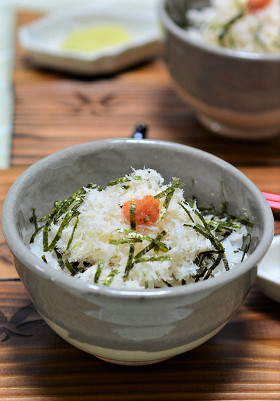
pixel 233 93
pixel 133 327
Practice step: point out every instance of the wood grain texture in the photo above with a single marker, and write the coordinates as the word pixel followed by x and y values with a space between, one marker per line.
pixel 53 111
pixel 242 362
pixel 56 110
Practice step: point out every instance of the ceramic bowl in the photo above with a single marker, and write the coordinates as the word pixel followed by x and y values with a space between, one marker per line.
pixel 233 93
pixel 125 326
pixel 268 278
pixel 43 38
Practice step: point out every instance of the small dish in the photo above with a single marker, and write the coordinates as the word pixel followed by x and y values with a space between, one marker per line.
pixel 43 38
pixel 268 277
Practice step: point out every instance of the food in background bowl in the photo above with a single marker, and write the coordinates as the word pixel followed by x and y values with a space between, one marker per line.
pixel 138 232
pixel 246 25
pixel 132 326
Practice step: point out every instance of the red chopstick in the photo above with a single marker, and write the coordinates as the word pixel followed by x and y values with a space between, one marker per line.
pixel 274 201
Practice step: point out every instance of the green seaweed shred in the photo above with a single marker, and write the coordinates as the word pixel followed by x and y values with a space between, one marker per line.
pixel 110 277
pixel 168 193
pixel 33 219
pixel 165 205
pixel 202 260
pixel 124 241
pixel 175 184
pixel 246 245
pixel 186 210
pixel 132 210
pixel 120 180
pixel 130 262
pixel 205 230
pixel 153 258
pixel 72 234
pixel 65 222
pixel 66 209
pixel 98 272
pixel 155 243
pixel 133 237
pixel 225 29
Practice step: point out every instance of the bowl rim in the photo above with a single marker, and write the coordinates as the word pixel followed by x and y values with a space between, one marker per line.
pixel 35 264
pixel 211 48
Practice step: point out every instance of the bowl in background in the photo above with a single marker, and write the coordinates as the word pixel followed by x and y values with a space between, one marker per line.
pixel 233 93
pixel 131 326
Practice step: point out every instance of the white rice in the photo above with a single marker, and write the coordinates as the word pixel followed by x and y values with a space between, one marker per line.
pixel 257 31
pixel 101 220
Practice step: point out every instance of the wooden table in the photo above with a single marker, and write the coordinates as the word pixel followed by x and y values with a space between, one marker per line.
pixel 53 111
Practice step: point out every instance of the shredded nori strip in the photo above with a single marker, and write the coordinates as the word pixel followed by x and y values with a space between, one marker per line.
pixel 72 267
pixel 67 208
pixel 186 210
pixel 153 258
pixel 98 272
pixel 202 260
pixel 134 237
pixel 124 241
pixel 175 184
pixel 120 180
pixel 33 219
pixel 132 210
pixel 154 244
pixel 59 259
pixel 35 233
pixel 165 205
pixel 227 26
pixel 63 206
pixel 167 193
pixel 205 230
pixel 110 277
pixel 65 222
pixel 72 234
pixel 130 262
pixel 246 245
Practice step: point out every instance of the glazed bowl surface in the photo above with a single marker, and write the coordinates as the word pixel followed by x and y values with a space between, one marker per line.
pixel 233 93
pixel 133 326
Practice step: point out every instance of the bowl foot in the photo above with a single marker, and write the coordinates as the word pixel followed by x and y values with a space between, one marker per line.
pixel 132 363
pixel 236 132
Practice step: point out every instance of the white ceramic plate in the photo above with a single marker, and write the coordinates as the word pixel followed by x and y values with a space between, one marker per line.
pixel 269 271
pixel 42 39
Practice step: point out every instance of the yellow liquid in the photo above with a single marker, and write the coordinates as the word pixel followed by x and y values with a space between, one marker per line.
pixel 96 38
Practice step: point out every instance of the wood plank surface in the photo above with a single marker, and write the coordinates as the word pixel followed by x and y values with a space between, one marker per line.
pixel 242 362
pixel 53 111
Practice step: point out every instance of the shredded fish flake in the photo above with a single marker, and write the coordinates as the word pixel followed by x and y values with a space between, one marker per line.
pixel 92 237
pixel 246 25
